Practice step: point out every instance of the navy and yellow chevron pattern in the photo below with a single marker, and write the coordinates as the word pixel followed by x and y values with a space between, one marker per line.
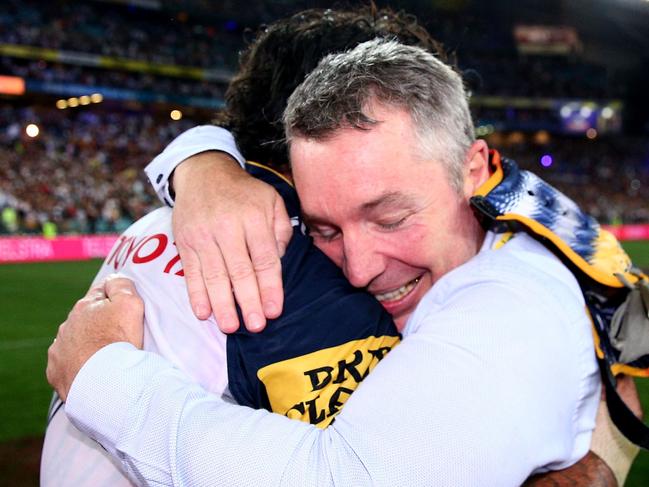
pixel 517 200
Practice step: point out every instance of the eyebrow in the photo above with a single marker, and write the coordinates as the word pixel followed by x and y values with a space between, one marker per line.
pixel 388 200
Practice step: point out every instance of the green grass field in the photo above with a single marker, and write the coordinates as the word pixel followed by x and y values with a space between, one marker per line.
pixel 35 298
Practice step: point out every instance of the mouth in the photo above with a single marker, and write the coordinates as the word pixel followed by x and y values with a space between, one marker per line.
pixel 397 294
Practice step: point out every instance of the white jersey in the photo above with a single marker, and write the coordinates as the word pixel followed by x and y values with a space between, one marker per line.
pixel 146 254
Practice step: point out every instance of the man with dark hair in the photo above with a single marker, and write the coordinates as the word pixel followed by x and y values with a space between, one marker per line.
pixel 271 67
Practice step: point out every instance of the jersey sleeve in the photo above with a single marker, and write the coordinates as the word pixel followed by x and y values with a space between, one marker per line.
pixel 193 141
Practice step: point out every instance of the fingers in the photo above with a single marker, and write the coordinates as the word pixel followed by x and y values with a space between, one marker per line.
pixel 215 279
pixel 95 293
pixel 207 279
pixel 127 307
pixel 230 242
pixel 241 273
pixel 52 372
pixel 267 267
pixel 282 227
pixel 196 289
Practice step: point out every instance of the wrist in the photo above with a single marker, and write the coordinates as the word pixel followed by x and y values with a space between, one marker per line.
pixel 199 164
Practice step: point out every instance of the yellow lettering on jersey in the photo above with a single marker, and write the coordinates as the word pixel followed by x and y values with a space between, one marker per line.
pixel 314 387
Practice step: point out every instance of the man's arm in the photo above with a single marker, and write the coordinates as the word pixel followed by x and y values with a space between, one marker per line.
pixel 590 471
pixel 409 423
pixel 231 230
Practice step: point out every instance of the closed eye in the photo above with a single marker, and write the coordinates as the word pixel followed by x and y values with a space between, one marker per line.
pixel 392 225
pixel 324 234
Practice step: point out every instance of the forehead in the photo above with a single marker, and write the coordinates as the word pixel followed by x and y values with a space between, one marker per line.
pixel 353 163
pixel 359 170
pixel 384 146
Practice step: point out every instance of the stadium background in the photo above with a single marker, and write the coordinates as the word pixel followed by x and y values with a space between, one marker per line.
pixel 90 91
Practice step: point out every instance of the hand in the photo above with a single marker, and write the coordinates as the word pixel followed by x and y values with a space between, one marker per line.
pixel 110 312
pixel 231 231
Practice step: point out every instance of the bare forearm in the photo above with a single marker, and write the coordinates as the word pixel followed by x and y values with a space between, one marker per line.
pixel 590 471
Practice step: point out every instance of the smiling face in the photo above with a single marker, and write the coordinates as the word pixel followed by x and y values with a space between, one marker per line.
pixel 390 219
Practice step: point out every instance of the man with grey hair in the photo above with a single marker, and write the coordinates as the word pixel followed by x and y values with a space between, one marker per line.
pixel 496 376
pixel 352 104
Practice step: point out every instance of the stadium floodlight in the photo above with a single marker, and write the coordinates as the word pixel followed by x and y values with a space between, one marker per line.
pixel 96 98
pixel 32 130
pixel 61 104
pixel 176 114
pixel 566 111
pixel 607 112
pixel 84 100
pixel 73 102
pixel 542 137
pixel 586 111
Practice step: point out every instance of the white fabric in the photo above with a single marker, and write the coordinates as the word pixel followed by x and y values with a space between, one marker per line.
pixel 149 257
pixel 193 141
pixel 495 379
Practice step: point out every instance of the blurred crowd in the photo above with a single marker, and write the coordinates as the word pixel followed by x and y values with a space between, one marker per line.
pixel 486 49
pixel 608 177
pixel 82 173
pixel 98 78
pixel 123 32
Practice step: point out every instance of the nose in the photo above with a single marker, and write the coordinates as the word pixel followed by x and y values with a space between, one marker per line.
pixel 362 261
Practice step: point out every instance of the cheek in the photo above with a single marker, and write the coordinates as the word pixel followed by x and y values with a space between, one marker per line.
pixel 333 250
pixel 413 246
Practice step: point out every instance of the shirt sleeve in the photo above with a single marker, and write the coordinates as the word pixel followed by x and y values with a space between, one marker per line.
pixel 193 141
pixel 469 398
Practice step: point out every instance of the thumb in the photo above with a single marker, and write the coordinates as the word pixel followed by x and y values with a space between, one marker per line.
pixel 117 286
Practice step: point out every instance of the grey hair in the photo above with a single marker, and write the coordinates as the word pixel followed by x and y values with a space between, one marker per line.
pixel 339 91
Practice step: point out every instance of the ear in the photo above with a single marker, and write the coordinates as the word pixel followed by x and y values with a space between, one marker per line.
pixel 476 167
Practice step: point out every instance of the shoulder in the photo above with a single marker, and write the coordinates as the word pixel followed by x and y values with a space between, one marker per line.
pixel 520 295
pixel 321 308
pixel 282 185
pixel 329 336
pixel 159 218
pixel 520 274
pixel 517 316
pixel 147 241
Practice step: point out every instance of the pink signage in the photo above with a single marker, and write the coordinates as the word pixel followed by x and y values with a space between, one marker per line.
pixel 38 249
pixel 82 247
pixel 629 232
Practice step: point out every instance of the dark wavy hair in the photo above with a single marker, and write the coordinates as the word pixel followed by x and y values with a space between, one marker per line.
pixel 281 56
